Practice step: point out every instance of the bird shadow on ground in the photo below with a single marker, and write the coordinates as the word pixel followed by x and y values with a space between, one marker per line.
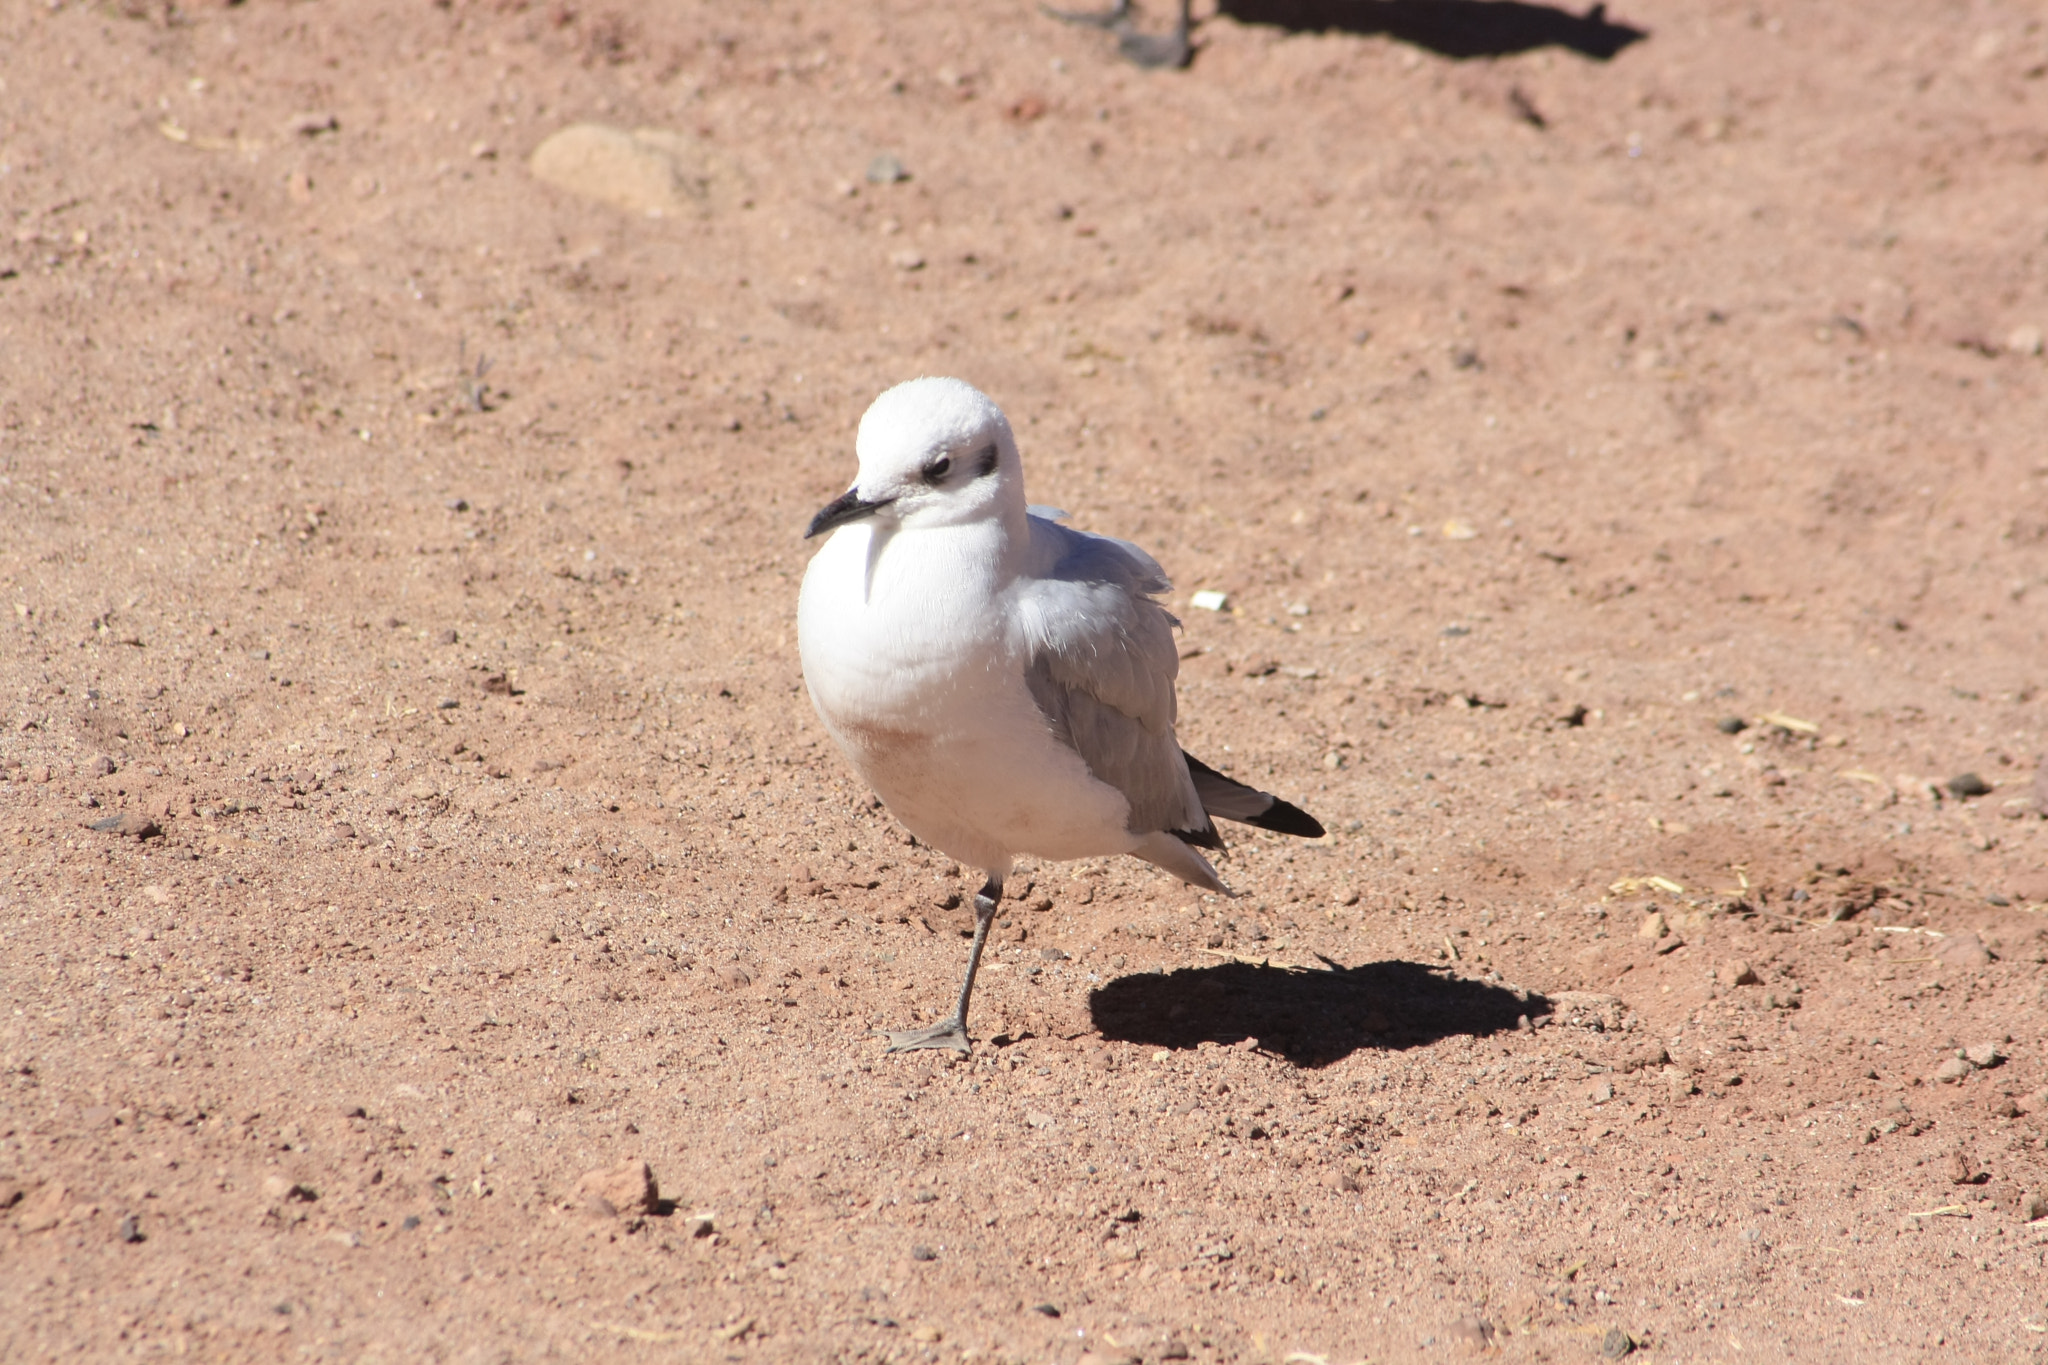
pixel 1309 1017
pixel 1450 28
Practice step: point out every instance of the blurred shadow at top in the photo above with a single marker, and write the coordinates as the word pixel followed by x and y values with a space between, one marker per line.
pixel 1449 28
pixel 1311 1018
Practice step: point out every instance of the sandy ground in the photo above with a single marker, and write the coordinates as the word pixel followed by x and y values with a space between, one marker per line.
pixel 1620 438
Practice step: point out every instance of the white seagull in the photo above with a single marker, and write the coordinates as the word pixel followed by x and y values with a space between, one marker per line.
pixel 1005 684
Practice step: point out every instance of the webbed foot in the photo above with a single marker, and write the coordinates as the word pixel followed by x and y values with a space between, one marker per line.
pixel 950 1033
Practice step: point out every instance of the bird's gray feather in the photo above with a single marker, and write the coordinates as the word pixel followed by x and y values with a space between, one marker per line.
pixel 1101 667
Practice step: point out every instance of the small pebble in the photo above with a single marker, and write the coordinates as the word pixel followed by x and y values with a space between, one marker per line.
pixel 1966 785
pixel 1986 1055
pixel 1731 725
pixel 921 1252
pixel 628 1188
pixel 1653 926
pixel 1474 1334
pixel 1952 1070
pixel 132 824
pixel 128 1230
pixel 1616 1344
pixel 886 170
pixel 103 766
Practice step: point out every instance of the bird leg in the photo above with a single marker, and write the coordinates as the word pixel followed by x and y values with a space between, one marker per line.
pixel 952 1032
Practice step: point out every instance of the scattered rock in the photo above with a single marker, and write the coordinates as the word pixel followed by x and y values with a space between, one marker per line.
pixel 1952 1070
pixel 1963 1169
pixel 281 1190
pixel 1653 926
pixel 1616 1344
pixel 886 169
pixel 921 1252
pixel 2024 339
pixel 1963 949
pixel 1984 1055
pixel 2033 1205
pixel 907 260
pixel 1474 1334
pixel 1600 1092
pixel 1645 1057
pixel 132 824
pixel 103 766
pixel 2035 1102
pixel 626 1189
pixel 700 1225
pixel 1731 725
pixel 1967 785
pixel 312 123
pixel 128 1230
pixel 46 1210
pixel 649 170
pixel 1679 1083
pixel 1739 973
pixel 1048 1309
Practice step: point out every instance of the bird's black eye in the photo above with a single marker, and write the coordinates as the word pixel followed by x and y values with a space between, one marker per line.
pixel 938 469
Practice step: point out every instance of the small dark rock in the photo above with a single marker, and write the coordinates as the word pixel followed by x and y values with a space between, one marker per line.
pixel 921 1252
pixel 103 766
pixel 128 1230
pixel 1731 725
pixel 1616 1344
pixel 133 824
pixel 1967 785
pixel 1050 1310
pixel 457 504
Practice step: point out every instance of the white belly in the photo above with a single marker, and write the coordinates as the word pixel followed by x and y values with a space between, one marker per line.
pixel 925 694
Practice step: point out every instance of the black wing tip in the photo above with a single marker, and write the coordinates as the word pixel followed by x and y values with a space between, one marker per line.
pixel 1199 838
pixel 1284 818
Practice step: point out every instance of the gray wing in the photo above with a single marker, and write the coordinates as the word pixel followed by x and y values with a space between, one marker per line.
pixel 1102 663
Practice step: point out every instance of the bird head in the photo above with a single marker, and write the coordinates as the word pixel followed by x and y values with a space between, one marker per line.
pixel 933 452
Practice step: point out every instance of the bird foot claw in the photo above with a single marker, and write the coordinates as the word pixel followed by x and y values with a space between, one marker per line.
pixel 950 1033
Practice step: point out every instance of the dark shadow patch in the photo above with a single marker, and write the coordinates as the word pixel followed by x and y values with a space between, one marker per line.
pixel 1459 29
pixel 1309 1017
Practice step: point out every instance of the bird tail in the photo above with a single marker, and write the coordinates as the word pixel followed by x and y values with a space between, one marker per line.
pixel 1233 800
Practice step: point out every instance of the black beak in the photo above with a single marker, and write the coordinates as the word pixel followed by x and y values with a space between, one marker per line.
pixel 842 509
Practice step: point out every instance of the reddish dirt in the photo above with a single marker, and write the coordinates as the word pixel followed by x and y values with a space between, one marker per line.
pixel 407 551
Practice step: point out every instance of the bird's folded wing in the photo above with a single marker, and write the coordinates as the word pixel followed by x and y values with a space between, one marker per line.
pixel 1101 667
